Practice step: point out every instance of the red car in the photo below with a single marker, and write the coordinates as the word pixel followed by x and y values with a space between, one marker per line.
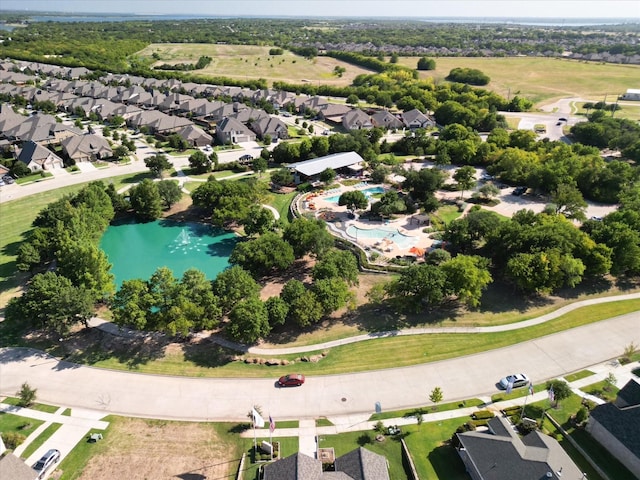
pixel 291 380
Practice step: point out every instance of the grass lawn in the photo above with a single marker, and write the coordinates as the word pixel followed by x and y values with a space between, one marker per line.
pixel 389 448
pixel 15 423
pixel 474 402
pixel 578 375
pixel 254 62
pixel 40 407
pixel 281 202
pixel 603 390
pixel 542 80
pixel 288 446
pixel 38 442
pixel 516 393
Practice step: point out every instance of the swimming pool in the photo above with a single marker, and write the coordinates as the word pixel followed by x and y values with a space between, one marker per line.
pixel 392 234
pixel 367 191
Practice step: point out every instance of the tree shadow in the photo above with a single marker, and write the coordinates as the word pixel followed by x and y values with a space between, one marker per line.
pixel 447 463
pixel 207 354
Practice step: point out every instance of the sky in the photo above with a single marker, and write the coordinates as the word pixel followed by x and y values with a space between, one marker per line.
pixel 557 9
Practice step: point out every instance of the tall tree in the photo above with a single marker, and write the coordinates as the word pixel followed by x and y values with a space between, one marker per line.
pixel 337 264
pixel 467 277
pixel 157 164
pixel 200 162
pixel 308 236
pixel 232 285
pixel 145 200
pixel 249 320
pixel 170 192
pixel 263 255
pixel 259 221
pixel 465 176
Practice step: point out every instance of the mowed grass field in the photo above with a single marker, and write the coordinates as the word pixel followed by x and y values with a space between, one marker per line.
pixel 542 80
pixel 253 62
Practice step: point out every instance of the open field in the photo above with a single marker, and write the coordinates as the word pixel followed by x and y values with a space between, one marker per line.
pixel 250 62
pixel 542 80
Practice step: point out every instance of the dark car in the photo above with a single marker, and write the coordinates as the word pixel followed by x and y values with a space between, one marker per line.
pixel 562 119
pixel 43 465
pixel 8 179
pixel 246 158
pixel 291 380
pixel 519 191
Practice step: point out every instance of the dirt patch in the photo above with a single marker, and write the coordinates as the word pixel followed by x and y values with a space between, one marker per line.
pixel 138 449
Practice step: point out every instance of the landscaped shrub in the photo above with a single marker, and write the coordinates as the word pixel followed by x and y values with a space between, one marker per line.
pixel 512 410
pixel 482 415
pixel 12 439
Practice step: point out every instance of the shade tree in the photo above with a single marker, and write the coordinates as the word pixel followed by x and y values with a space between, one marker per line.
pixel 264 255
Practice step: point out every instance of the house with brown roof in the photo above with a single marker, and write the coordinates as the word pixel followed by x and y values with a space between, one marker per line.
pixel 385 119
pixel 359 464
pixel 272 126
pixel 195 135
pixel 416 119
pixel 356 119
pixel 13 468
pixel 231 130
pixel 87 148
pixel 37 157
pixel 616 426
pixel 499 453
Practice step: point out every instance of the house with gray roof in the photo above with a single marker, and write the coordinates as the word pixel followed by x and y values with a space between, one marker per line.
pixel 416 119
pixel 14 468
pixel 37 157
pixel 272 126
pixel 195 135
pixel 359 464
pixel 616 426
pixel 385 119
pixel 500 453
pixel 231 130
pixel 356 119
pixel 87 148
pixel 247 115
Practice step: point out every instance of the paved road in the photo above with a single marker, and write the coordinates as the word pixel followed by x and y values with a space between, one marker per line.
pixel 199 399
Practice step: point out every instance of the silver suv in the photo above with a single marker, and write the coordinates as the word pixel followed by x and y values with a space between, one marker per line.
pixel 46 462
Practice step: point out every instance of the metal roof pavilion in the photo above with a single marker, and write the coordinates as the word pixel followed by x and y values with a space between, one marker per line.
pixel 320 164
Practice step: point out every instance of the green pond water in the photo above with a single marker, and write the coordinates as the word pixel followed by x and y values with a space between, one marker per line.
pixel 136 250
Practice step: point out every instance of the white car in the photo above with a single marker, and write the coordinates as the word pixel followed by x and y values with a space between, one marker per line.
pixel 43 465
pixel 516 380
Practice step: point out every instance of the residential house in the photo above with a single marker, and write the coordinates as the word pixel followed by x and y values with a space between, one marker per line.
pixel 195 135
pixel 385 119
pixel 416 119
pixel 231 130
pixel 333 112
pixel 500 453
pixel 359 464
pixel 356 119
pixel 37 157
pixel 87 148
pixel 9 119
pixel 248 115
pixel 616 426
pixel 272 126
pixel 41 128
pixel 14 468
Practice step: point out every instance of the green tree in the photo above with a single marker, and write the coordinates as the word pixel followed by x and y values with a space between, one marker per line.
pixel 337 264
pixel 425 63
pixel 467 277
pixel 145 200
pixel 418 286
pixel 232 285
pixel 487 191
pixel 259 221
pixel 157 164
pixel 282 177
pixel 26 395
pixel 304 307
pixel 200 162
pixel 436 396
pixel 87 266
pixel 263 255
pixel 277 310
pixel 569 202
pixel 260 165
pixel 353 99
pixel 170 192
pixel 328 175
pixel 332 293
pixel 199 303
pixel 51 302
pixel 308 236
pixel 132 304
pixel 379 174
pixel 249 320
pixel 465 176
pixel 354 200
pixel 561 390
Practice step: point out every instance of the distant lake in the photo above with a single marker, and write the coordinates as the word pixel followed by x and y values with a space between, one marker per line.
pixel 137 250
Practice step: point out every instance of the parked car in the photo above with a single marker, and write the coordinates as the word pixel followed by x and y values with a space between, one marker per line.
pixel 562 119
pixel 246 158
pixel 517 380
pixel 8 179
pixel 291 380
pixel 519 191
pixel 43 465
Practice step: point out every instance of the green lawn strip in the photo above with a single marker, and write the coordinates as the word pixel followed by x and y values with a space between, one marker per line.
pixel 40 407
pixel 67 412
pixel 602 390
pixel 517 393
pixel 412 412
pixel 346 442
pixel 323 422
pixel 362 356
pixel 432 456
pixel 15 423
pixel 285 423
pixel 281 203
pixel 38 442
pixel 34 177
pixel 288 446
pixel 572 377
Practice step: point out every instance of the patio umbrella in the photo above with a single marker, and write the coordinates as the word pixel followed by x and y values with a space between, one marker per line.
pixel 417 251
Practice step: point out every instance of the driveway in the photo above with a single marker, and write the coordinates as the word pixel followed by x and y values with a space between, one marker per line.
pixel 229 399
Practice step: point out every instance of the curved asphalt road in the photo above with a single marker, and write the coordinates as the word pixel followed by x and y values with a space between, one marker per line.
pixel 200 399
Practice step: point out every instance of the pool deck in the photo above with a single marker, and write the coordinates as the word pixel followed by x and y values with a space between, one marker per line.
pixel 339 221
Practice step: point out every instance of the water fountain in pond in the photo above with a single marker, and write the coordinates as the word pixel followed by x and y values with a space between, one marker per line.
pixel 184 243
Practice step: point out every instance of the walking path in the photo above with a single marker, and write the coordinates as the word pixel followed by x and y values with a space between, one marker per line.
pixel 123 332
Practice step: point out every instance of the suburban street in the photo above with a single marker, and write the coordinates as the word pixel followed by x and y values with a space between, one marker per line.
pixel 228 399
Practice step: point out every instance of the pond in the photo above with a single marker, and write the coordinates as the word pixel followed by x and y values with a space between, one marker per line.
pixel 137 250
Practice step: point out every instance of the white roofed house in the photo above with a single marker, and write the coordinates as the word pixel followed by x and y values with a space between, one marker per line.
pixel 87 148
pixel 309 169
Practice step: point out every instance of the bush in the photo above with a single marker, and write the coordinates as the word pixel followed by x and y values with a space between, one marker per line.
pixel 12 439
pixel 525 428
pixel 27 395
pixel 582 415
pixel 379 427
pixel 304 187
pixel 482 415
